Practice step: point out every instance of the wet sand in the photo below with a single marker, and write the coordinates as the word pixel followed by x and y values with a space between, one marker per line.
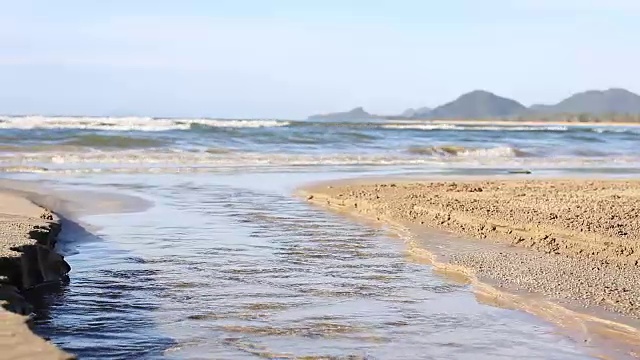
pixel 27 259
pixel 577 242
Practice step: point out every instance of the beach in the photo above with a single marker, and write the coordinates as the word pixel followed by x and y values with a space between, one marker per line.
pixel 319 180
pixel 186 233
pixel 27 239
pixel 581 237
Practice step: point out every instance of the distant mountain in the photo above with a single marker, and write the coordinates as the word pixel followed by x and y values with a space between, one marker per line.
pixel 612 101
pixel 482 104
pixel 477 105
pixel 416 113
pixel 355 114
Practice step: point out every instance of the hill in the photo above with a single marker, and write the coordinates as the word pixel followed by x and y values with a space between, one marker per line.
pixel 595 102
pixel 593 105
pixel 416 113
pixel 477 105
pixel 354 114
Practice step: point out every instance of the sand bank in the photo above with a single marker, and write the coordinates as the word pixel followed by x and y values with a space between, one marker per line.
pixel 577 242
pixel 27 259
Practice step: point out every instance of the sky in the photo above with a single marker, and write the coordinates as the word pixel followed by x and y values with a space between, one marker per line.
pixel 292 58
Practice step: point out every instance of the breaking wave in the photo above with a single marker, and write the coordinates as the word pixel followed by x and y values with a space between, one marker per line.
pixel 126 123
pixel 406 126
pixel 462 151
pixel 211 159
pixel 617 130
pixel 627 165
pixel 134 123
pixel 419 126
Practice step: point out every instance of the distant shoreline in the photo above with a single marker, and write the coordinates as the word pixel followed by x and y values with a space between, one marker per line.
pixel 518 122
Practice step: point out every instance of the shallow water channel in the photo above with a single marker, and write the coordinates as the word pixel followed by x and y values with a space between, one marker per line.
pixel 232 266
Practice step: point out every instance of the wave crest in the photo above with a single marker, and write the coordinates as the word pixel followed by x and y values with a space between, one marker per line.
pixel 126 123
pixel 462 151
pixel 471 127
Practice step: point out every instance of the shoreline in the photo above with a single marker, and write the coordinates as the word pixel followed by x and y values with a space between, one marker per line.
pixel 36 211
pixel 28 259
pixel 537 279
pixel 525 122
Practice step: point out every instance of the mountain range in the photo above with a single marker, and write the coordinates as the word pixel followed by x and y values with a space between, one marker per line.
pixel 481 104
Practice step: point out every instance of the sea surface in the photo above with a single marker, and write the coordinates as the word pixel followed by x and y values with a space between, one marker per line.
pixel 226 264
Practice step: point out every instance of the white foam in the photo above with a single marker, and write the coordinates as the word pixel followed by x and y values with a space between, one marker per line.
pixel 461 151
pixel 496 152
pixel 420 126
pixel 498 156
pixel 180 158
pixel 472 127
pixel 125 123
pixel 518 128
pixel 612 129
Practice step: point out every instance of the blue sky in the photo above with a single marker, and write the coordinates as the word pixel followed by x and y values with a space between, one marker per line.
pixel 288 58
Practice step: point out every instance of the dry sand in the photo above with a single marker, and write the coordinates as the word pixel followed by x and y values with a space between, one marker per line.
pixel 27 237
pixel 576 242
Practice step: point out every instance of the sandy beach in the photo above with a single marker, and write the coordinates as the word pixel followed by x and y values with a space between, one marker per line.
pixel 577 242
pixel 27 238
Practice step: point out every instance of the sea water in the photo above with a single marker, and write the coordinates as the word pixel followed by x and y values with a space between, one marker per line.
pixel 226 264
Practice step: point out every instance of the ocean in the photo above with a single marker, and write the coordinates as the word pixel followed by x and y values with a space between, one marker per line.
pixel 221 261
pixel 139 145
